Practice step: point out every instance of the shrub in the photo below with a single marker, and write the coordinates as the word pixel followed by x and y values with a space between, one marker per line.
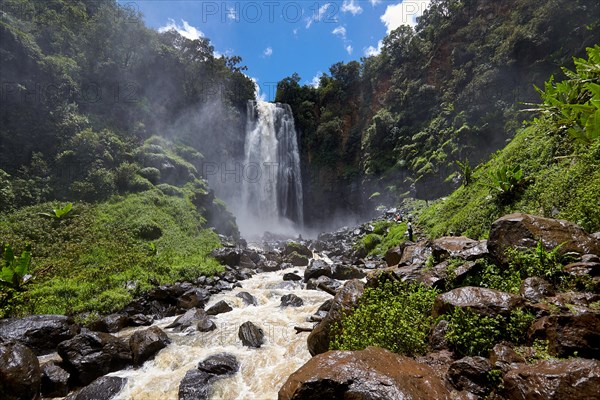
pixel 395 315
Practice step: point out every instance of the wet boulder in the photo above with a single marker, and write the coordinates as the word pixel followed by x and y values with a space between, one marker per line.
pixel 41 333
pixel 503 357
pixel 268 266
pixel 486 302
pixel 219 307
pixel 345 272
pixel 297 260
pixel 290 276
pixel 19 372
pixel 92 354
pixel 291 247
pixel 471 374
pixel 145 344
pixel 323 283
pixel 55 380
pixel 140 320
pixel 220 364
pixel 394 255
pixel 437 338
pixel 103 388
pixel 570 334
pixel 247 298
pixel 416 254
pixel 191 317
pixel 111 323
pixel 344 301
pixel 370 374
pixel 316 269
pixel 206 325
pixel 571 379
pixel 458 247
pixel 227 256
pixel 535 289
pixel 525 230
pixel 291 300
pixel 251 335
pixel 196 385
pixel 193 298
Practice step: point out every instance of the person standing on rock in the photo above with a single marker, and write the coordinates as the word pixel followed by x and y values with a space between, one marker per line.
pixel 410 228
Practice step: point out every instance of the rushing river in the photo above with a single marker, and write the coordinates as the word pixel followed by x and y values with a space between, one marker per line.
pixel 262 371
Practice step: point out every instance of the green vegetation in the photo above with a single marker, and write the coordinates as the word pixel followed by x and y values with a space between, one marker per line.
pixel 59 213
pixel 385 235
pixel 109 254
pixel 566 171
pixel 14 273
pixel 471 334
pixel 395 316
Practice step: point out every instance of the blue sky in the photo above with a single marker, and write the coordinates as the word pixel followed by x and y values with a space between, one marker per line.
pixel 277 38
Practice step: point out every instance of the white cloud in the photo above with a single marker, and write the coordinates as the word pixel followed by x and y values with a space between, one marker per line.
pixel 373 51
pixel 231 13
pixel 268 52
pixel 316 80
pixel 340 31
pixel 351 7
pixel 403 13
pixel 374 2
pixel 295 32
pixel 349 49
pixel 318 16
pixel 185 30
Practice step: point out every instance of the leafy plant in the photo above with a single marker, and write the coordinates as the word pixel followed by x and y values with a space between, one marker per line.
pixel 15 272
pixel 466 171
pixel 395 315
pixel 507 180
pixel 59 213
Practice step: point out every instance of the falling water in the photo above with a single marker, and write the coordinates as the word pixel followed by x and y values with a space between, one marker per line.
pixel 272 185
pixel 262 371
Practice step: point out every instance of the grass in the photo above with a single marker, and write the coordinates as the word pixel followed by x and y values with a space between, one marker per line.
pixel 106 254
pixel 385 235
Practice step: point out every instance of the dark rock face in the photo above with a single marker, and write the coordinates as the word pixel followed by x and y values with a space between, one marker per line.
pixel 248 299
pixel 145 344
pixel 227 256
pixel 297 260
pixel 191 317
pixel 219 308
pixel 344 272
pixel 535 289
pixel 193 298
pixel 291 300
pixel 437 339
pixel 93 354
pixel 206 325
pixel 503 357
pixel 55 380
pixel 110 323
pixel 251 335
pixel 471 374
pixel 291 277
pixel 394 255
pixel 416 254
pixel 323 282
pixel 370 374
pixel 299 248
pixel 567 334
pixel 316 269
pixel 572 379
pixel 487 302
pixel 459 246
pixel 196 384
pixel 41 333
pixel 19 372
pixel 104 388
pixel 345 300
pixel 524 230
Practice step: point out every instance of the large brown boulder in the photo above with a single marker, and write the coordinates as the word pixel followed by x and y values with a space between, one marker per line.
pixel 103 388
pixel 458 246
pixel 524 230
pixel 41 333
pixel 20 373
pixel 571 379
pixel 370 374
pixel 345 300
pixel 483 301
pixel 145 344
pixel 570 334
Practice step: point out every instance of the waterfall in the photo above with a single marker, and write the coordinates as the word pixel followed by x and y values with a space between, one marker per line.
pixel 272 184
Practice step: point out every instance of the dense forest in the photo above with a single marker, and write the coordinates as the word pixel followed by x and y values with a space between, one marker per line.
pixel 451 90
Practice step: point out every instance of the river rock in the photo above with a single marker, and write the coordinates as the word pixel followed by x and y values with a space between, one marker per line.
pixel 570 334
pixel 219 307
pixel 268 266
pixel 90 355
pixel 316 269
pixel 344 301
pixel 103 388
pixel 299 248
pixel 291 300
pixel 19 372
pixel 227 256
pixel 220 364
pixel 486 302
pixel 251 335
pixel 503 357
pixel 297 260
pixel 535 289
pixel 247 298
pixel 193 298
pixel 195 385
pixel 206 325
pixel 524 231
pixel 437 338
pixel 571 379
pixel 55 380
pixel 345 272
pixel 145 344
pixel 140 320
pixel 110 324
pixel 416 254
pixel 41 333
pixel 370 374
pixel 394 255
pixel 191 317
pixel 290 276
pixel 471 374
pixel 460 247
pixel 325 282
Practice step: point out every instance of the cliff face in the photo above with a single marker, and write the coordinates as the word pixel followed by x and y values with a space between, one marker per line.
pixel 449 90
